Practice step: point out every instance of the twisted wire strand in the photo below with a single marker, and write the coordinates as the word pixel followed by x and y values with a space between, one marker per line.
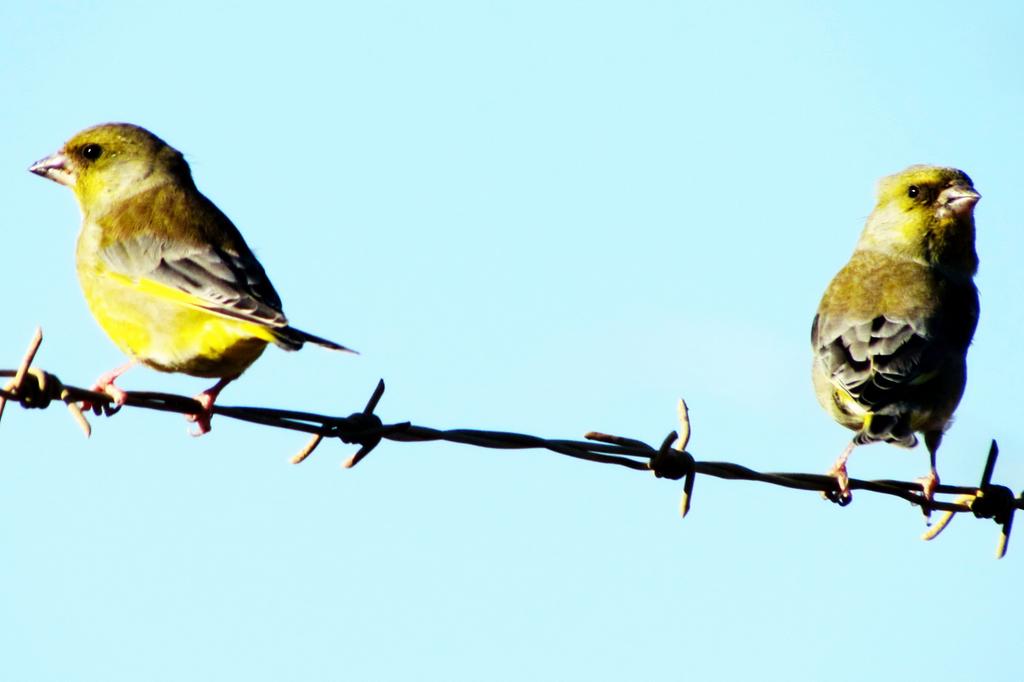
pixel 34 388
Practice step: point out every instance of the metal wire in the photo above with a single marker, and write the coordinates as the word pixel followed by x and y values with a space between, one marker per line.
pixel 34 388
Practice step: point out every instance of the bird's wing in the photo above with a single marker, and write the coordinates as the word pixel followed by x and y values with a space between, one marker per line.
pixel 206 277
pixel 880 361
pixel 179 246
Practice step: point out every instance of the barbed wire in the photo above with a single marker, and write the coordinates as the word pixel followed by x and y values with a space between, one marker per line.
pixel 33 388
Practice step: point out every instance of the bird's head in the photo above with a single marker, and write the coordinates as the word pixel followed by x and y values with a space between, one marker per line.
pixel 926 213
pixel 111 162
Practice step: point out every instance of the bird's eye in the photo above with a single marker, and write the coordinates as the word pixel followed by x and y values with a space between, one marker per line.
pixel 913 191
pixel 92 151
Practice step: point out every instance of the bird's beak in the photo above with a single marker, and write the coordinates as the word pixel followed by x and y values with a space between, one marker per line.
pixel 56 167
pixel 959 199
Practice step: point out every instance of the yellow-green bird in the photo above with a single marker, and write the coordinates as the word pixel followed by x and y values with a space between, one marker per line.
pixel 164 272
pixel 891 334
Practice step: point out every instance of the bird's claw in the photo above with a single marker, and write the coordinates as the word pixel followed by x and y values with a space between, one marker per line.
pixel 202 422
pixel 106 385
pixel 202 419
pixel 929 484
pixel 119 396
pixel 842 496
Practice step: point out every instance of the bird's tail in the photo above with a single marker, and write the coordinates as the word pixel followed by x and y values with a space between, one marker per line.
pixel 291 338
pixel 889 428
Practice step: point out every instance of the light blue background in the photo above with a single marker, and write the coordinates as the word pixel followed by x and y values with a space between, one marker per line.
pixel 546 217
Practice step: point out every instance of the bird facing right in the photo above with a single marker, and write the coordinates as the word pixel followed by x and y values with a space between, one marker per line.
pixel 891 334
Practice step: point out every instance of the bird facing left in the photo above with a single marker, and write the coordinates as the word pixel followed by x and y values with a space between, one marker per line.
pixel 165 273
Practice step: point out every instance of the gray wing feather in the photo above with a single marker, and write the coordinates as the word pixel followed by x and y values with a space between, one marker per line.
pixel 879 361
pixel 224 282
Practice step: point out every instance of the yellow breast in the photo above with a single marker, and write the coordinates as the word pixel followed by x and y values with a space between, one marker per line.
pixel 157 326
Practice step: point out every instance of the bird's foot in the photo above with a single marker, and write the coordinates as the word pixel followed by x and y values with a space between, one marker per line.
pixel 929 484
pixel 206 399
pixel 105 384
pixel 119 396
pixel 202 419
pixel 842 496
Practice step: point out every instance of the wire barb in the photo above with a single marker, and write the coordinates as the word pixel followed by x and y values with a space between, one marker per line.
pixel 989 501
pixel 15 386
pixel 42 388
pixel 33 388
pixel 370 427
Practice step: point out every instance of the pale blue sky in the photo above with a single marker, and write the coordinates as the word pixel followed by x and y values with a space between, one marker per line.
pixel 546 217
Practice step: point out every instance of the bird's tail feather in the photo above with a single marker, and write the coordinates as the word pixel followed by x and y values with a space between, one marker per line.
pixel 887 428
pixel 291 338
